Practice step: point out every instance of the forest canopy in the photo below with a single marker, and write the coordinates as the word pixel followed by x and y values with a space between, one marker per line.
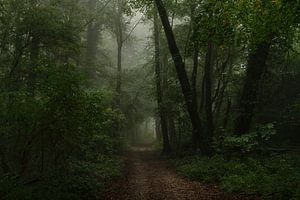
pixel 213 85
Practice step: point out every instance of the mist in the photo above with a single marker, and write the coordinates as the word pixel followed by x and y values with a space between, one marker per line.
pixel 149 100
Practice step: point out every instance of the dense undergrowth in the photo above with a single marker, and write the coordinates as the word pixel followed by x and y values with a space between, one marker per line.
pixel 59 144
pixel 272 177
pixel 85 180
pixel 58 134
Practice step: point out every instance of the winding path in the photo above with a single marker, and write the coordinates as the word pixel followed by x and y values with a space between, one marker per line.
pixel 149 177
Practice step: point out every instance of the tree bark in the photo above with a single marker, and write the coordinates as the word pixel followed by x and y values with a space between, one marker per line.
pixel 158 129
pixel 162 114
pixel 208 93
pixel 119 29
pixel 198 139
pixel 227 114
pixel 195 30
pixel 92 42
pixel 119 76
pixel 195 63
pixel 255 69
pixel 172 132
pixel 195 74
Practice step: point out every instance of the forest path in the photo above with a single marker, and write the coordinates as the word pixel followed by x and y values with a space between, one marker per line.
pixel 149 177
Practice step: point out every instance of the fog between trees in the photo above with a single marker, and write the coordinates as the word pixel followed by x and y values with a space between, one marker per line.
pixel 214 85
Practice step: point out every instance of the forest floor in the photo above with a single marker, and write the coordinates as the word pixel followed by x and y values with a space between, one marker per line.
pixel 149 177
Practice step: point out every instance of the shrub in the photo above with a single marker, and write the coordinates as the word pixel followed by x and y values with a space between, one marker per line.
pixel 277 177
pixel 58 144
pixel 245 143
pixel 85 180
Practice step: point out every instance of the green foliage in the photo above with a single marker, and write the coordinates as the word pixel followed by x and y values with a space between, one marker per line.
pixel 56 137
pixel 277 177
pixel 262 20
pixel 208 172
pixel 245 143
pixel 85 180
pixel 59 140
pixel 216 26
pixel 64 125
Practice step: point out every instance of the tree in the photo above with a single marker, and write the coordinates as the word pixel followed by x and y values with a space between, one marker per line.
pixel 198 138
pixel 208 92
pixel 93 31
pixel 159 93
pixel 255 69
pixel 120 41
pixel 279 16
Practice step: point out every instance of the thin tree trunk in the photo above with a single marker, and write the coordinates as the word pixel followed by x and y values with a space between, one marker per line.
pixel 208 93
pixel 179 133
pixel 202 99
pixel 220 92
pixel 162 114
pixel 92 41
pixel 227 114
pixel 196 54
pixel 120 47
pixel 222 80
pixel 158 129
pixel 195 74
pixel 119 76
pixel 255 69
pixel 219 102
pixel 172 132
pixel 120 41
pixel 198 139
pixel 195 66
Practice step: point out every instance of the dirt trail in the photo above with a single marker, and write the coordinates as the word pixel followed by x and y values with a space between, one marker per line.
pixel 149 177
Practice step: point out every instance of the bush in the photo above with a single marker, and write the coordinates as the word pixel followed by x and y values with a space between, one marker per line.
pixel 85 180
pixel 58 144
pixel 276 177
pixel 245 143
pixel 210 170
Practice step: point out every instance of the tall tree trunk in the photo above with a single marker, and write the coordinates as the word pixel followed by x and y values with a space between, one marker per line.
pixel 120 41
pixel 162 114
pixel 92 41
pixel 194 78
pixel 221 86
pixel 227 114
pixel 195 30
pixel 255 69
pixel 120 47
pixel 202 97
pixel 195 74
pixel 172 132
pixel 119 76
pixel 158 129
pixel 198 138
pixel 208 93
